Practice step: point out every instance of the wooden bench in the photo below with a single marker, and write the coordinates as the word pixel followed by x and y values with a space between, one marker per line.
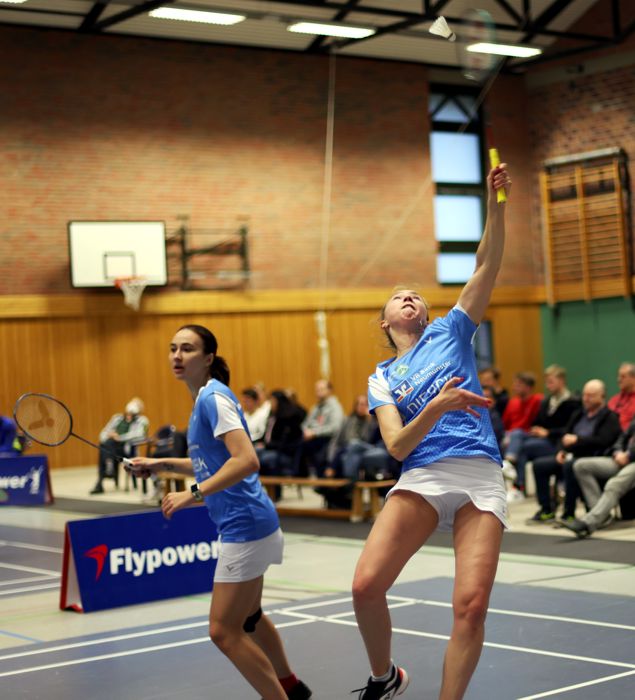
pixel 171 481
pixel 366 499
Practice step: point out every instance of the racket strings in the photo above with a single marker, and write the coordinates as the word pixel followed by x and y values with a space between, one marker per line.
pixel 43 419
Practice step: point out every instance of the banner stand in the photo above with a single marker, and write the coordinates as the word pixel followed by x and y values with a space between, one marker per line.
pixel 25 481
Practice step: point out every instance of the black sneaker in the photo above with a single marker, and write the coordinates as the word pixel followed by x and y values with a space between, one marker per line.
pixel 580 528
pixel 98 488
pixel 384 690
pixel 542 517
pixel 300 691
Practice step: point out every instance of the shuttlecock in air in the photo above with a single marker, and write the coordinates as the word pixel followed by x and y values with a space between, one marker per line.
pixel 440 28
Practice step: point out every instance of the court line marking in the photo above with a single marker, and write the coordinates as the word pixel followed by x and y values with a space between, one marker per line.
pixel 28 545
pixel 129 652
pixel 6 633
pixel 30 579
pixel 567 688
pixel 29 569
pixel 28 589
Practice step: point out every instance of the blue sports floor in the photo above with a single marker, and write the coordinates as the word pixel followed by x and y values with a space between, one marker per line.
pixel 541 641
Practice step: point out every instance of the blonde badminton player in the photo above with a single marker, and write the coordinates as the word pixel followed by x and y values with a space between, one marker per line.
pixel 225 466
pixel 434 418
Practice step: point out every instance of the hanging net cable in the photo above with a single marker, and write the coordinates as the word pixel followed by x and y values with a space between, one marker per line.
pixel 320 316
pixel 390 235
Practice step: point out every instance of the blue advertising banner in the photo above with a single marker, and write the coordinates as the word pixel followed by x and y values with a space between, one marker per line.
pixel 25 481
pixel 129 559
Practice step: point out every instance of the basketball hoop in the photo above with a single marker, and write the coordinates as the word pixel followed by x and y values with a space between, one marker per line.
pixel 132 288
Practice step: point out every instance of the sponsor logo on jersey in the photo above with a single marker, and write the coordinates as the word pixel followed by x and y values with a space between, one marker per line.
pixel 403 390
pixel 401 370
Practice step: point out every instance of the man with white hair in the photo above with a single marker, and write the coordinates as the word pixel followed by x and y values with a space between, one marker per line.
pixel 590 431
pixel 117 438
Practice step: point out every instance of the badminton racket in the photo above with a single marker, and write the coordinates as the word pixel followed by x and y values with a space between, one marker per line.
pixel 47 421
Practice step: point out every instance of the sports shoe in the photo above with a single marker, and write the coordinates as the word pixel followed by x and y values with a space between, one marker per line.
pixel 509 471
pixel 542 517
pixel 384 690
pixel 580 528
pixel 97 488
pixel 515 495
pixel 300 691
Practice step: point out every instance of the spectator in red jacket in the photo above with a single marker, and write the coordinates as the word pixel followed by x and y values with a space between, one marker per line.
pixel 522 408
pixel 624 403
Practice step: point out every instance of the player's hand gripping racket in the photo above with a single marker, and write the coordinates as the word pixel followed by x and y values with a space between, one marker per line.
pixel 48 421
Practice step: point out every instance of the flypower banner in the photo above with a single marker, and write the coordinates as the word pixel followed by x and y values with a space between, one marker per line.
pixel 25 481
pixel 129 559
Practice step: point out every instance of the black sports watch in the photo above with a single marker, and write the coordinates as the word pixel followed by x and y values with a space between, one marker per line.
pixel 196 492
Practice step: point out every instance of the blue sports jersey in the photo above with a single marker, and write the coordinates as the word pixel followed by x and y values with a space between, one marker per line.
pixel 412 380
pixel 243 512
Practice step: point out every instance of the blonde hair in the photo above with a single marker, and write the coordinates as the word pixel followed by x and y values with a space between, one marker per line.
pixel 382 313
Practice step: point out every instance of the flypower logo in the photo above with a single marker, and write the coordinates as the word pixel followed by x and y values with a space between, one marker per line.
pixel 125 560
pixel 18 482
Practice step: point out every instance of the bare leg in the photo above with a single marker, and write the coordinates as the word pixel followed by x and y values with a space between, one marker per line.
pixel 232 603
pixel 267 638
pixel 477 539
pixel 403 526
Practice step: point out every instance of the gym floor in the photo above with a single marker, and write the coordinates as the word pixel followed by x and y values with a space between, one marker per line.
pixel 561 621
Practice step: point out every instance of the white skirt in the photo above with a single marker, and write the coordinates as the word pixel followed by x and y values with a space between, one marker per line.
pixel 451 483
pixel 245 561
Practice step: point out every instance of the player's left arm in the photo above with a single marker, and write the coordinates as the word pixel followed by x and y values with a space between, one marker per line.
pixel 475 296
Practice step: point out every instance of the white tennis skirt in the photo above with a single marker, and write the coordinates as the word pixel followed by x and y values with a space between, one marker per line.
pixel 451 483
pixel 245 561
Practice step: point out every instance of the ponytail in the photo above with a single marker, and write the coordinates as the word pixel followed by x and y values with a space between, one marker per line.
pixel 219 370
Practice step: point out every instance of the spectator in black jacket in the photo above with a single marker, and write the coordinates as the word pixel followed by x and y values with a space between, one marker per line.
pixel 590 431
pixel 542 438
pixel 283 435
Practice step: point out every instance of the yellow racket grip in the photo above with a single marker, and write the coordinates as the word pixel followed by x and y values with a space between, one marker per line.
pixel 495 161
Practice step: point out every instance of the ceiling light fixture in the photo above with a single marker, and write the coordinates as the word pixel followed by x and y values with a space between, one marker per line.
pixel 13 2
pixel 338 30
pixel 504 50
pixel 197 16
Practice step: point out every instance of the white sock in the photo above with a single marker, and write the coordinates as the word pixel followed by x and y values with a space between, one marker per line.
pixel 388 675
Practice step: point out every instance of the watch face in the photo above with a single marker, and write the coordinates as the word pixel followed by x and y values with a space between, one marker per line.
pixel 196 492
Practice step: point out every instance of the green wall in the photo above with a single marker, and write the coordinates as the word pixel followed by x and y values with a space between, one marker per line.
pixel 590 339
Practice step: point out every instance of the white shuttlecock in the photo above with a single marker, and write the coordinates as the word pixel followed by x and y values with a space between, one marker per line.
pixel 440 28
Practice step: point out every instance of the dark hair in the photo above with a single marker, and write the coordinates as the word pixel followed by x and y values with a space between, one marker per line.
pixel 285 407
pixel 526 378
pixel 251 393
pixel 218 369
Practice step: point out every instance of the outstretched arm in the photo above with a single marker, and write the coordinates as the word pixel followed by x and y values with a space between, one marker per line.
pixel 476 294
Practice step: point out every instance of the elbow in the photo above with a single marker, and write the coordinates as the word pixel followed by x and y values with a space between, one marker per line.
pixel 252 466
pixel 396 451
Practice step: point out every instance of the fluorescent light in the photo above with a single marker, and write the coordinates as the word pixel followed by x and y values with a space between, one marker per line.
pixel 196 16
pixel 13 2
pixel 504 50
pixel 331 30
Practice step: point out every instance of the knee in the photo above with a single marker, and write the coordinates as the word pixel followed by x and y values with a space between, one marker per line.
pixel 367 588
pixel 223 636
pixel 582 466
pixel 471 608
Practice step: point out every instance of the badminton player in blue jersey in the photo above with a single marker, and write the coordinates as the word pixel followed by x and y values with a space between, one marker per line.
pixel 224 464
pixel 435 420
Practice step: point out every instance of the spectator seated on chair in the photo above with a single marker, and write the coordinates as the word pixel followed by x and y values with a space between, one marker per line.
pixel 282 436
pixel 522 408
pixel 619 469
pixel 590 432
pixel 624 403
pixel 490 376
pixel 318 429
pixel 494 415
pixel 256 413
pixel 119 437
pixel 542 438
pixel 10 444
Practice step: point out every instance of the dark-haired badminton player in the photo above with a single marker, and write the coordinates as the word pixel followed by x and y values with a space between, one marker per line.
pixel 434 418
pixel 225 466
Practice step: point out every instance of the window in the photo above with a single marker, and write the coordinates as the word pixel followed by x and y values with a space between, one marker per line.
pixel 456 154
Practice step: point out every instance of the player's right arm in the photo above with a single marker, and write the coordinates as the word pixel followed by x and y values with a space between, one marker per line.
pixel 144 466
pixel 401 440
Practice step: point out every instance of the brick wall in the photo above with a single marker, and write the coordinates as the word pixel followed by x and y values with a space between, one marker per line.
pixel 124 128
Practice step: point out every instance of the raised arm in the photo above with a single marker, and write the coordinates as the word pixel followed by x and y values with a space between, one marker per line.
pixel 476 294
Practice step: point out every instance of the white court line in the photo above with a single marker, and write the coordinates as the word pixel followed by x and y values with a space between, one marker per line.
pixel 29 569
pixel 30 579
pixel 28 545
pixel 27 589
pixel 518 613
pixel 129 652
pixel 567 688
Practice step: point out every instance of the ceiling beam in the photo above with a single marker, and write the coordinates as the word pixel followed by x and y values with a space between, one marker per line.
pixel 545 18
pixel 92 16
pixel 319 40
pixel 129 14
